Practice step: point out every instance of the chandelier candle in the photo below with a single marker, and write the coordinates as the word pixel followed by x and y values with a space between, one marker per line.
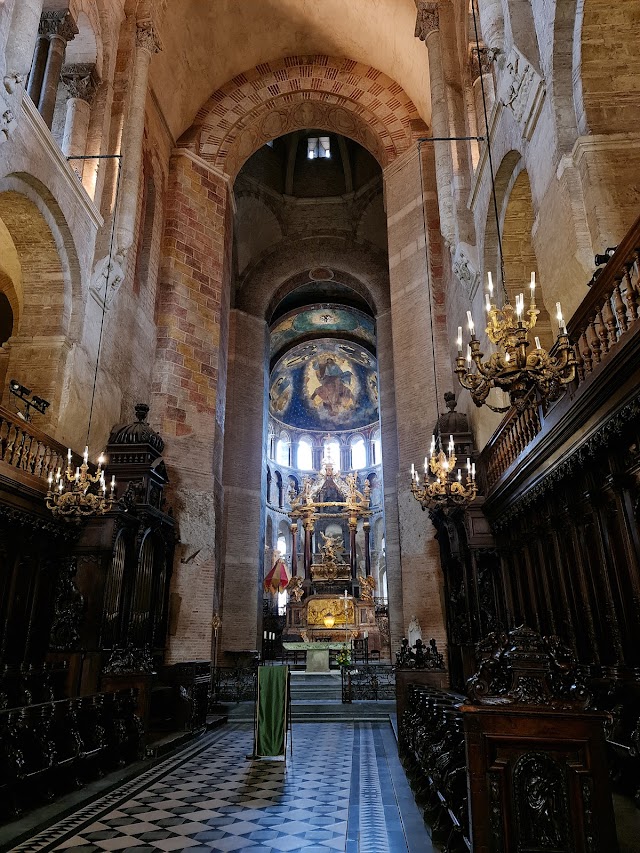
pixel 437 490
pixel 511 368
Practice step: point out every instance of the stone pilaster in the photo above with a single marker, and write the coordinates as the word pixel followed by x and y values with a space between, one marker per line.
pixel 428 31
pixel 189 382
pixel 244 482
pixel 147 43
pixel 415 274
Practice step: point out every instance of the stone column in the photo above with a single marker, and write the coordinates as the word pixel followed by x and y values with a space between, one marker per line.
pixel 428 31
pixel 316 456
pixel 353 554
pixel 81 83
pixel 15 58
pixel 36 74
pixel 345 457
pixel 367 547
pixel 491 23
pixel 481 74
pixel 308 530
pixel 147 43
pixel 435 25
pixel 294 550
pixel 61 28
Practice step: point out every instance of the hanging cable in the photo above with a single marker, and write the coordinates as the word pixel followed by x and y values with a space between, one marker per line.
pixel 489 153
pixel 117 157
pixel 429 288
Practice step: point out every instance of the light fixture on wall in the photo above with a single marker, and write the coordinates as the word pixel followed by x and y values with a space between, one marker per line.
pixel 513 367
pixel 442 485
pixel 76 495
pixel 22 393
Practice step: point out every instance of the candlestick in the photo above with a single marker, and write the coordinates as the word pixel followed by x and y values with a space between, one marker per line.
pixel 490 285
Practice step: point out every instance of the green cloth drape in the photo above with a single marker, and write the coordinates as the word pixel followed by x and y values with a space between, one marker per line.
pixel 271 718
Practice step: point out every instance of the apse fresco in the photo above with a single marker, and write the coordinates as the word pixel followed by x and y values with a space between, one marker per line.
pixel 325 384
pixel 322 318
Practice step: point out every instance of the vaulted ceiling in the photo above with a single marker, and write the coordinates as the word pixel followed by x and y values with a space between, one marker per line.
pixel 206 43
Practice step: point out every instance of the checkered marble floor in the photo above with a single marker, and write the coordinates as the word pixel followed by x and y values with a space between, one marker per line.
pixel 336 793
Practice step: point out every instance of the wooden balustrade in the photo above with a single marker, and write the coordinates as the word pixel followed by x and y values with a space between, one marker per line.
pixel 606 317
pixel 27 448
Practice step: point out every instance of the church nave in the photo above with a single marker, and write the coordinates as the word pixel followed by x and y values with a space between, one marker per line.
pixel 343 789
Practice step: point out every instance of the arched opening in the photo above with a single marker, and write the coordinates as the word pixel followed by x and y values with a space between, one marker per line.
pixel 358 453
pixel 6 318
pixel 331 452
pixel 283 450
pixel 35 279
pixel 304 458
pixel 332 256
pixel 519 255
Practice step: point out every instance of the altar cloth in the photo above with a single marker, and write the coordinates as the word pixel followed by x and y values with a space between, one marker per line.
pixel 317 653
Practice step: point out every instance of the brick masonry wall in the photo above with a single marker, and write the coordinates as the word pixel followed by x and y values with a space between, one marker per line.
pixel 417 588
pixel 188 397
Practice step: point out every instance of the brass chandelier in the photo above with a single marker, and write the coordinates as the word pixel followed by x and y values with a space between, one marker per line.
pixel 441 486
pixel 80 494
pixel 77 495
pixel 511 368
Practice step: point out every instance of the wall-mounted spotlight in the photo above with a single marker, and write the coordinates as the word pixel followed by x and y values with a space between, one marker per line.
pixel 23 393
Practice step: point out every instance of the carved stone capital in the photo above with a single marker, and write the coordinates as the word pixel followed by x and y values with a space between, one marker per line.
pixel 58 23
pixel 481 62
pixel 81 81
pixel 147 37
pixel 427 19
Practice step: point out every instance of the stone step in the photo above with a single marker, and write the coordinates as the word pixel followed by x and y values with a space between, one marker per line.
pixel 331 711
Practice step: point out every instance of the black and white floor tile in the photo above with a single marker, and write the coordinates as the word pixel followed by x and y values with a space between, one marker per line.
pixel 337 792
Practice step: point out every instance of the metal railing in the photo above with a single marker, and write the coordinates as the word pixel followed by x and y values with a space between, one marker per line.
pixel 370 682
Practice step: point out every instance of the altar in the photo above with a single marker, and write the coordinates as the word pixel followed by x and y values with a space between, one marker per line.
pixel 317 654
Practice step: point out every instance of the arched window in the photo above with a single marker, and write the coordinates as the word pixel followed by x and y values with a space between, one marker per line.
pixel 282 545
pixel 358 453
pixel 304 458
pixel 332 453
pixel 282 449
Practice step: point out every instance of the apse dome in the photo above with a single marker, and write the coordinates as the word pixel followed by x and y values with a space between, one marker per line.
pixel 325 384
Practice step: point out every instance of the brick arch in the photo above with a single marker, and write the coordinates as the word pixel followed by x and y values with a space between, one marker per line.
pixel 277 272
pixel 294 92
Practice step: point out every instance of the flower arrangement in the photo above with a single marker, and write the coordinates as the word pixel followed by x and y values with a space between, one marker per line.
pixel 343 657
